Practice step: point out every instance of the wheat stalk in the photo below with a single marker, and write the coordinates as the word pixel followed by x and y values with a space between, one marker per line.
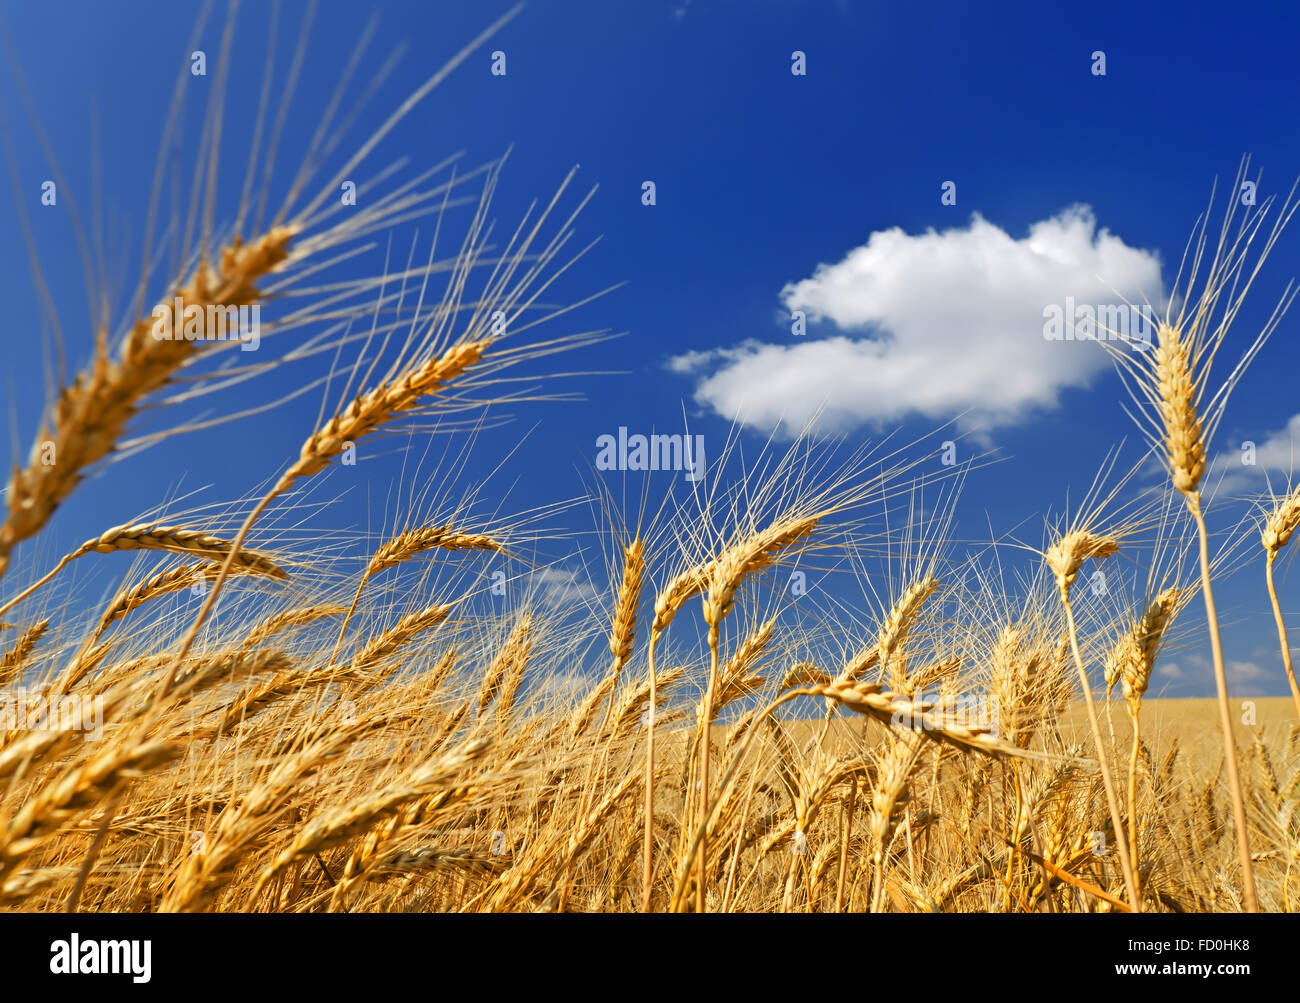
pixel 722 579
pixel 14 659
pixel 1065 556
pixel 680 589
pixel 894 771
pixel 1135 656
pixel 1280 524
pixel 1172 383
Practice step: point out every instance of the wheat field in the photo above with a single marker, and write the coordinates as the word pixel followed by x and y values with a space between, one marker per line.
pixel 261 715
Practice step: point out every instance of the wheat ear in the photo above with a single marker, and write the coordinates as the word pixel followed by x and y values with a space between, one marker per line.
pixel 1281 523
pixel 512 657
pixel 622 631
pixel 92 414
pixel 403 547
pixel 12 662
pixel 399 635
pixel 161 584
pixel 621 637
pixel 286 620
pixel 173 539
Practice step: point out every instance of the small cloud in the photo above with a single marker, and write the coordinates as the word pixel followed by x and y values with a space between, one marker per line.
pixel 1245 671
pixel 1253 465
pixel 689 362
pixel 1170 670
pixel 561 587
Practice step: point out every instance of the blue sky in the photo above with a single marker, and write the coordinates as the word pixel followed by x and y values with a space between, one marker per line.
pixel 761 177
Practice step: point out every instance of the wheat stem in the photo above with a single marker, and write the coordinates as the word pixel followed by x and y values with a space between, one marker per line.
pixel 1281 632
pixel 704 767
pixel 1132 798
pixel 1112 801
pixel 647 862
pixel 1249 899
pixel 844 844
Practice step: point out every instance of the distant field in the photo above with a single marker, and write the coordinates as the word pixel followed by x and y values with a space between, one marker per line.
pixel 1194 723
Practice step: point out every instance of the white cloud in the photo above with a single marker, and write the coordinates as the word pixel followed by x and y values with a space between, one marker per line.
pixel 935 325
pixel 1277 457
pixel 556 587
pixel 1193 673
pixel 1244 671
